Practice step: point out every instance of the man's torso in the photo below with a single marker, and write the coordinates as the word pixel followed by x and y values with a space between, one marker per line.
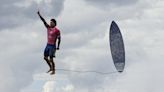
pixel 52 34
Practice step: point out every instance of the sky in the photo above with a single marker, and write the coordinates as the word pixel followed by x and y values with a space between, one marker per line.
pixel 84 26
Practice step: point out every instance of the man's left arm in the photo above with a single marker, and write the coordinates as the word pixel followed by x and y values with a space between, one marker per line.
pixel 59 40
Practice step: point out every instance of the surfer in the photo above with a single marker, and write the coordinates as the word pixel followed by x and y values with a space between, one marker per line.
pixel 53 37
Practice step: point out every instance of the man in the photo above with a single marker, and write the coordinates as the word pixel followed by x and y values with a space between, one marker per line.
pixel 53 35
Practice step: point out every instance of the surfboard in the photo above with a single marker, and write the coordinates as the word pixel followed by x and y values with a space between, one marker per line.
pixel 117 47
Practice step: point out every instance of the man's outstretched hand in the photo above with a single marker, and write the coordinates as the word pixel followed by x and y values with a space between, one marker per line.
pixel 38 13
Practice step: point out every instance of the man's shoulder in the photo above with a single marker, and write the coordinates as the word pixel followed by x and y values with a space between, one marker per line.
pixel 57 29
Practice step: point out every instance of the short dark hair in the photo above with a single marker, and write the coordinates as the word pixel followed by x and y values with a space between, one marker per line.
pixel 53 20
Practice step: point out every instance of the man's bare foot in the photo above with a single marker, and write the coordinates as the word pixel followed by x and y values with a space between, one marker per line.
pixel 53 72
pixel 49 71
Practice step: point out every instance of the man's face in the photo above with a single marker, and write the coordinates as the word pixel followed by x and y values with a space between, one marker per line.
pixel 52 24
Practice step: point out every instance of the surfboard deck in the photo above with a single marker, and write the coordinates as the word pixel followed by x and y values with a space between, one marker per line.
pixel 117 47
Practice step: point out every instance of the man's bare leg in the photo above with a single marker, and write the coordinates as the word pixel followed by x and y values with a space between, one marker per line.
pixel 49 64
pixel 53 66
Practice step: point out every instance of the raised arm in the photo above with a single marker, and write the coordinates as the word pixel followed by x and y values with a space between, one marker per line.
pixel 43 20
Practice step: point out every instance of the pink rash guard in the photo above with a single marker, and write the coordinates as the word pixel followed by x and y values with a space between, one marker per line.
pixel 52 35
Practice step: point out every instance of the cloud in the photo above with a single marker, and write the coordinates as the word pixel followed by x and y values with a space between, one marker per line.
pixel 17 12
pixel 64 85
pixel 110 3
pixel 19 58
pixel 142 76
pixel 51 7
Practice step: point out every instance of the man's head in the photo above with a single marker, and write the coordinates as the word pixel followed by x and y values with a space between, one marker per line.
pixel 53 23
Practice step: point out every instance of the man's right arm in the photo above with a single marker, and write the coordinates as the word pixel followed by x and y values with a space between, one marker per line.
pixel 45 23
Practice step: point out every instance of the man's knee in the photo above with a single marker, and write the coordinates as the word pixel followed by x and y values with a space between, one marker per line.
pixel 51 58
pixel 45 58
